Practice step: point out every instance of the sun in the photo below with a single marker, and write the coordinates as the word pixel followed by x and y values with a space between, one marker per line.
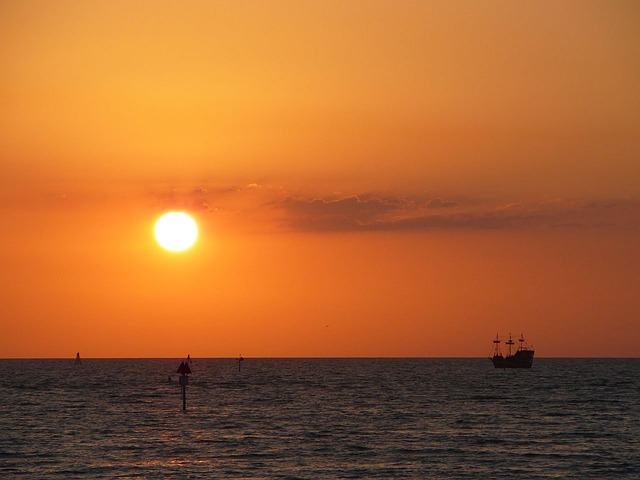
pixel 176 231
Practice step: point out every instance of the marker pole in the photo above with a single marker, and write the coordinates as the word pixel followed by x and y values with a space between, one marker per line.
pixel 184 394
pixel 183 382
pixel 184 370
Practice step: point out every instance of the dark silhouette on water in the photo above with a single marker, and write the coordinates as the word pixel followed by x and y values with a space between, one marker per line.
pixel 77 361
pixel 523 358
pixel 184 370
pixel 240 360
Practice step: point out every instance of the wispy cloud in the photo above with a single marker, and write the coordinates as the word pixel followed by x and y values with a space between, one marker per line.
pixel 439 203
pixel 402 213
pixel 349 213
pixel 274 207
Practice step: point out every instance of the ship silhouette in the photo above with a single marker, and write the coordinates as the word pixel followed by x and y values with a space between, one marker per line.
pixel 522 358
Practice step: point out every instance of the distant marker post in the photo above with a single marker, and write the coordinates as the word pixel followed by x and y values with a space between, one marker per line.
pixel 184 371
pixel 240 360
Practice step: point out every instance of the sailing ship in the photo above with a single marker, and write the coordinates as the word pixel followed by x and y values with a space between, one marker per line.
pixel 522 358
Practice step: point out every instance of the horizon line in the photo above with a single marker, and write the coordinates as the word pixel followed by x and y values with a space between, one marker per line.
pixel 319 358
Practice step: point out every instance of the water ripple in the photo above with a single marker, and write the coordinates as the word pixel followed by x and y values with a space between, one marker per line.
pixel 329 418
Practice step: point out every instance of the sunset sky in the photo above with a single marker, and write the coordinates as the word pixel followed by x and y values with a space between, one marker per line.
pixel 370 178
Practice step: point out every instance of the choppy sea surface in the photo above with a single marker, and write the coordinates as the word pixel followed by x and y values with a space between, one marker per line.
pixel 320 418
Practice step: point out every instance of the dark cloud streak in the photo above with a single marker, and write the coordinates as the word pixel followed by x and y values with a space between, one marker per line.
pixel 370 213
pixel 268 207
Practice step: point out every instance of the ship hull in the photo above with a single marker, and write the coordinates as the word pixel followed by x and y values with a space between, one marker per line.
pixel 521 359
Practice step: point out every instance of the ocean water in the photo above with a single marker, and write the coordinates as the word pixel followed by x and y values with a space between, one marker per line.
pixel 320 418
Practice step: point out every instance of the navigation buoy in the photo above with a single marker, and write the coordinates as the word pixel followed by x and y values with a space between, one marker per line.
pixel 184 371
pixel 78 361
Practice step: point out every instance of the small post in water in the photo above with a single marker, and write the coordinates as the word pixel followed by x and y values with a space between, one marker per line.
pixel 240 360
pixel 184 370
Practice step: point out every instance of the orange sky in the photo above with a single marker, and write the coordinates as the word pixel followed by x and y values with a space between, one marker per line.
pixel 371 178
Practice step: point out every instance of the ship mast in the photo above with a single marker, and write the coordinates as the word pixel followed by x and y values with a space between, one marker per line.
pixel 510 343
pixel 521 340
pixel 496 347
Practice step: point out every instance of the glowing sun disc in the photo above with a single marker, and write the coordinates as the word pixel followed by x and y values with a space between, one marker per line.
pixel 176 231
